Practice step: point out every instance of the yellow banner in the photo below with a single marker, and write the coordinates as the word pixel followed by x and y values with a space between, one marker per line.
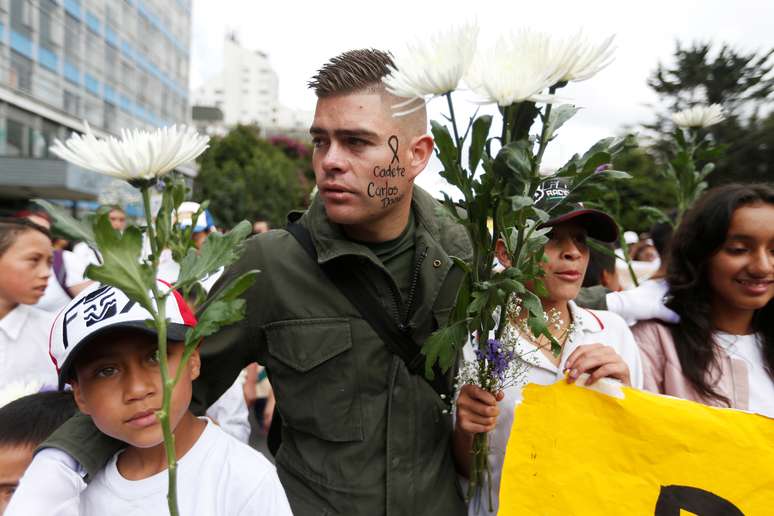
pixel 573 450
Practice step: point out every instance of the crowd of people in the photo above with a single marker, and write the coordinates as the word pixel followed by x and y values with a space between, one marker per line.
pixel 354 425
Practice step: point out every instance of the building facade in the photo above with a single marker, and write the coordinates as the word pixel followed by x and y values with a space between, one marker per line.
pixel 113 63
pixel 246 91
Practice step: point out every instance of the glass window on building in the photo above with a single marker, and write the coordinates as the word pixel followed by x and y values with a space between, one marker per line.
pixel 72 103
pixel 48 133
pixel 14 138
pixel 72 38
pixel 21 72
pixel 110 118
pixel 93 110
pixel 21 16
pixel 49 27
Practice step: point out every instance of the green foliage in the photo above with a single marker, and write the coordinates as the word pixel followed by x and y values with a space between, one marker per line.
pixel 218 251
pixel 246 177
pixel 121 266
pixel 743 83
pixel 67 225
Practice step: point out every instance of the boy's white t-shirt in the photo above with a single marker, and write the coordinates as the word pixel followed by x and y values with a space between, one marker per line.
pixel 590 327
pixel 219 476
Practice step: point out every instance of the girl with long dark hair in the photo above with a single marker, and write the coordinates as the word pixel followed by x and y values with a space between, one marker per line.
pixel 721 284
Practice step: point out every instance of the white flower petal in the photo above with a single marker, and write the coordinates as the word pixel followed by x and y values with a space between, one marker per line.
pixel 435 66
pixel 700 115
pixel 137 154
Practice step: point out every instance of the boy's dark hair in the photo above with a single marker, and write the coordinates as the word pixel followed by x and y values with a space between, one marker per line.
pixel 29 421
pixel 351 71
pixel 11 228
pixel 598 262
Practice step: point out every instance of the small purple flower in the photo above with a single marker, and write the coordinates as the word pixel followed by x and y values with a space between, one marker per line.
pixel 497 357
pixel 603 167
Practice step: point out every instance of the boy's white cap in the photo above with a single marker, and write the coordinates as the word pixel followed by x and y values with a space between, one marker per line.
pixel 102 308
pixel 186 212
pixel 630 237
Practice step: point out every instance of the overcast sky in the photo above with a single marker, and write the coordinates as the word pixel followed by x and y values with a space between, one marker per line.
pixel 299 36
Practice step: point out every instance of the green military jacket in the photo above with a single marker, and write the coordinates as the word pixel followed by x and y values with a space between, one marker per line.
pixel 361 434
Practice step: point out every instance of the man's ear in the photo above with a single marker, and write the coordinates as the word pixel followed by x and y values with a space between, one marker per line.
pixel 502 253
pixel 421 150
pixel 78 397
pixel 195 364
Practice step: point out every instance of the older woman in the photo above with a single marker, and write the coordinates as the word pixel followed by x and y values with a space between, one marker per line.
pixel 597 343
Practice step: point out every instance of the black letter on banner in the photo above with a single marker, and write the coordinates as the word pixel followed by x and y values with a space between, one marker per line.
pixel 695 500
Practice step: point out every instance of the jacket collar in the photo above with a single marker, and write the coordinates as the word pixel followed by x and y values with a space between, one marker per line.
pixel 331 242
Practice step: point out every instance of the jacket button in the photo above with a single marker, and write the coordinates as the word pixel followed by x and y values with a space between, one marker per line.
pixel 395 462
pixel 436 263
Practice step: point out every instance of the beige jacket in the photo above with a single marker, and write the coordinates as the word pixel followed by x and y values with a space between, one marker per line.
pixel 663 373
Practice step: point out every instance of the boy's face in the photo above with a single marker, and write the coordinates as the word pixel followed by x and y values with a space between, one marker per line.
pixel 25 268
pixel 13 461
pixel 118 383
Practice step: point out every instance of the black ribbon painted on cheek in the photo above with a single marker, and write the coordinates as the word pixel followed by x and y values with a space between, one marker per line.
pixel 392 143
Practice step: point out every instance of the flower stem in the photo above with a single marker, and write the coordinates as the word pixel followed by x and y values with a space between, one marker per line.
pixel 543 134
pixel 149 221
pixel 457 142
pixel 160 321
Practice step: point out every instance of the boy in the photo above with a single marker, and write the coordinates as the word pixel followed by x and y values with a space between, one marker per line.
pixel 104 349
pixel 24 424
pixel 25 268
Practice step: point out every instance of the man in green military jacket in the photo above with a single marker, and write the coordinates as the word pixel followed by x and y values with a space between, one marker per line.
pixel 361 434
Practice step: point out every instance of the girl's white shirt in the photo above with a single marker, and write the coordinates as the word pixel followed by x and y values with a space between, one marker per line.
pixel 590 327
pixel 749 349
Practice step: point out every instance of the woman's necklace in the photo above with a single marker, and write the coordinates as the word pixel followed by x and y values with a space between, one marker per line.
pixel 556 326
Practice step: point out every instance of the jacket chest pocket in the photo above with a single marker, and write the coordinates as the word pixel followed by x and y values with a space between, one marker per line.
pixel 312 370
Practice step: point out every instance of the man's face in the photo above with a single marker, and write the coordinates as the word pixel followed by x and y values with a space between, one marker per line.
pixel 13 461
pixel 361 158
pixel 119 385
pixel 117 220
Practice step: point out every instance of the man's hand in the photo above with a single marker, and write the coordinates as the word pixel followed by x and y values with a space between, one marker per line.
pixel 599 361
pixel 477 410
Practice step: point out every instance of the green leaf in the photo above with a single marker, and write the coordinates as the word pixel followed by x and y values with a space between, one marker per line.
pixel 520 201
pixel 532 303
pixel 615 174
pixel 121 265
pixel 226 307
pixel 218 251
pixel 559 115
pixel 442 347
pixel 478 140
pixel 514 162
pixel 653 214
pixel 706 170
pixel 66 224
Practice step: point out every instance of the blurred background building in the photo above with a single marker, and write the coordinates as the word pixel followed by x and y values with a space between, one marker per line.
pixel 246 91
pixel 114 63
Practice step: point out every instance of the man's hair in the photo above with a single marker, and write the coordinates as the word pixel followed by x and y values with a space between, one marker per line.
pixel 351 71
pixel 598 262
pixel 29 421
pixel 11 228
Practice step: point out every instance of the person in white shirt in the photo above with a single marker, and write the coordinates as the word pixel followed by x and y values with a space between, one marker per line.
pixel 594 343
pixel 25 269
pixel 109 357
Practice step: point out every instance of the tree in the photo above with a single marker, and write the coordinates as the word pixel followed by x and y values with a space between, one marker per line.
pixel 743 83
pixel 246 177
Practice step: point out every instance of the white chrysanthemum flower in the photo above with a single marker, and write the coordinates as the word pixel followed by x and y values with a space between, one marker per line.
pixel 137 155
pixel 699 116
pixel 586 57
pixel 15 390
pixel 519 67
pixel 434 66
